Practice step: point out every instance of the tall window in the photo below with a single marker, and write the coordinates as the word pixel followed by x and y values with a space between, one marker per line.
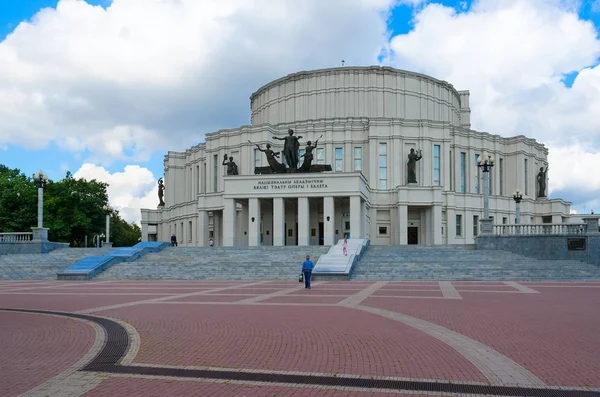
pixel 452 165
pixel 216 173
pixel 256 158
pixel 339 159
pixel 458 225
pixel 300 158
pixel 357 159
pixel 477 175
pixel 526 179
pixel 197 179
pixel 382 166
pixel 320 155
pixel 463 171
pixel 436 165
pixel 500 175
pixel 475 225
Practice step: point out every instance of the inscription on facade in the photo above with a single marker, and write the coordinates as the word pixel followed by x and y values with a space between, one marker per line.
pixel 295 184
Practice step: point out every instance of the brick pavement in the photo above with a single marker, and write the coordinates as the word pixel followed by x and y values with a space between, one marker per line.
pixel 546 330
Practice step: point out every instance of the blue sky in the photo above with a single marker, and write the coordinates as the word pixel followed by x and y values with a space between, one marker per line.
pixel 107 92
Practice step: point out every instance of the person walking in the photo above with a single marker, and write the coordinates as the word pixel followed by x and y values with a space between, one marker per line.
pixel 307 267
pixel 173 240
pixel 345 246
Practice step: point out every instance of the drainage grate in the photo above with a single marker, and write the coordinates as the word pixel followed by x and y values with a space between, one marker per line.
pixel 117 341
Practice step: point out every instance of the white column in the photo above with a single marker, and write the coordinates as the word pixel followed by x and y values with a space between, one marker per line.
pixel 145 231
pixel 202 229
pixel 229 222
pixel 329 220
pixel 403 224
pixel 107 228
pixel 278 221
pixel 356 218
pixel 436 223
pixel 40 207
pixel 254 222
pixel 303 224
pixel 486 195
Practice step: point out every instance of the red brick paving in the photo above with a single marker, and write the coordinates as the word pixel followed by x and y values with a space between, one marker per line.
pixel 310 339
pixel 36 347
pixel 66 302
pixel 211 298
pixel 392 292
pixel 305 299
pixel 554 333
pixel 132 387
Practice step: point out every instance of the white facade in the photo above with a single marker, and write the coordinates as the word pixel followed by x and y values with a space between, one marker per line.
pixel 370 118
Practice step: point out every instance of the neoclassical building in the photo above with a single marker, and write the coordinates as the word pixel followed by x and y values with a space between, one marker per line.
pixel 367 120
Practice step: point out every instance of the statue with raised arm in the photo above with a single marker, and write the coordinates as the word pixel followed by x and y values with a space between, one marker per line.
pixel 272 156
pixel 161 193
pixel 411 167
pixel 232 168
pixel 541 179
pixel 308 155
pixel 291 146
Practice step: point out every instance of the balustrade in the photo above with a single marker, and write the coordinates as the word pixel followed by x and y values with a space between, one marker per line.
pixel 17 237
pixel 543 229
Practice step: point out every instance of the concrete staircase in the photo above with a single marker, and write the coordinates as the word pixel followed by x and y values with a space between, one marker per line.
pixel 459 262
pixel 217 263
pixel 43 266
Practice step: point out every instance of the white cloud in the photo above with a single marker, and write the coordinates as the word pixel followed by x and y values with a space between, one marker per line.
pixel 141 76
pixel 512 55
pixel 128 191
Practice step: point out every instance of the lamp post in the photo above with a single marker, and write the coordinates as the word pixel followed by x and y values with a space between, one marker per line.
pixel 486 162
pixel 40 233
pixel 518 196
pixel 107 211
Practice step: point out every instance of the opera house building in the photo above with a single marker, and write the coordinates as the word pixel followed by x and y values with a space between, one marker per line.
pixel 366 152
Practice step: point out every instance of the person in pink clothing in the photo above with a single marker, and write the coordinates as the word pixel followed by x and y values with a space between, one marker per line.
pixel 345 246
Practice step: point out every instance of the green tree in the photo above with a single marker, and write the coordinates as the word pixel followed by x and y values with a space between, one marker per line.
pixel 123 234
pixel 18 201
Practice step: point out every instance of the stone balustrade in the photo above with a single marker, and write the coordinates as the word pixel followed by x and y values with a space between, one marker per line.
pixel 543 229
pixel 16 237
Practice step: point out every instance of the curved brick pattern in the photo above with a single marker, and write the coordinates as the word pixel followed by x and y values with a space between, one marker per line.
pixel 35 348
pixel 311 339
pixel 144 387
pixel 554 333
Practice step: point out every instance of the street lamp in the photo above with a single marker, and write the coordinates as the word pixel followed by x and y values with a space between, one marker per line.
pixel 40 233
pixel 107 211
pixel 486 162
pixel 518 196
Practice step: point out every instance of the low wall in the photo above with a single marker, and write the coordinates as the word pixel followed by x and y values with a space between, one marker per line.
pixel 545 247
pixel 30 247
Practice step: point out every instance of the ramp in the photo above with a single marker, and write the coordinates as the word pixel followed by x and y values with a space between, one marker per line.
pixel 335 265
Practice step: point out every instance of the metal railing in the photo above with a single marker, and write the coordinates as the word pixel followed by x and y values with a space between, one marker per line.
pixel 543 229
pixel 17 237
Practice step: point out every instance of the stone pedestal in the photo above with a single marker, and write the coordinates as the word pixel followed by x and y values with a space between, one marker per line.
pixel 486 226
pixel 592 224
pixel 40 234
pixel 107 244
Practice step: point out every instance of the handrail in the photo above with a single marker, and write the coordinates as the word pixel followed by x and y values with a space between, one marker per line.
pixel 543 229
pixel 16 237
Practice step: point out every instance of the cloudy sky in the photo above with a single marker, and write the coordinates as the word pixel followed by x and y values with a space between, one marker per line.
pixel 104 88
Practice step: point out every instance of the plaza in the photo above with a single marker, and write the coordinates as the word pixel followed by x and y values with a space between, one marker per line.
pixel 273 338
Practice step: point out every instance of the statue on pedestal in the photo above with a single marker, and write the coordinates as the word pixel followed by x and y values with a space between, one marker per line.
pixel 541 179
pixel 232 168
pixel 276 167
pixel 413 157
pixel 161 193
pixel 291 146
pixel 308 155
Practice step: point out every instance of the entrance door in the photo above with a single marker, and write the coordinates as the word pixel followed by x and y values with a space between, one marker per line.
pixel 413 235
pixel 321 234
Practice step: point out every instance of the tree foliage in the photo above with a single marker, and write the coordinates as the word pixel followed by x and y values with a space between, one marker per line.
pixel 73 209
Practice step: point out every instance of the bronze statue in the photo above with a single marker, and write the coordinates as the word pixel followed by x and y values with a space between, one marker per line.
pixel 232 168
pixel 308 155
pixel 541 179
pixel 291 147
pixel 272 156
pixel 161 193
pixel 413 157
